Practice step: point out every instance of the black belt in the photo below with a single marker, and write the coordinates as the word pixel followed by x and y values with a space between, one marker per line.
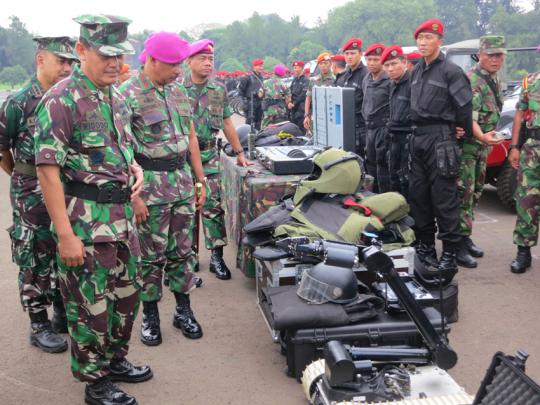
pixel 160 165
pixel 376 124
pixel 110 194
pixel 534 133
pixel 206 145
pixel 422 129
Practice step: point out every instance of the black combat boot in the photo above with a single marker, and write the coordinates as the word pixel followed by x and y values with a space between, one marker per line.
pixel 150 331
pixel 474 250
pixel 217 264
pixel 123 370
pixel 464 257
pixel 104 392
pixel 447 263
pixel 43 336
pixel 184 318
pixel 59 319
pixel 522 261
pixel 427 253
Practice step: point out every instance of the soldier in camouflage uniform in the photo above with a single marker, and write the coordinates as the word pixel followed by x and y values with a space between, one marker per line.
pixel 275 98
pixel 525 157
pixel 33 247
pixel 211 113
pixel 166 147
pixel 87 171
pixel 325 78
pixel 487 105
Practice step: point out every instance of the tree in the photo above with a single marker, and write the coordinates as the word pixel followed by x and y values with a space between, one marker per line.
pixel 19 47
pixel 270 62
pixel 232 65
pixel 306 51
pixel 13 75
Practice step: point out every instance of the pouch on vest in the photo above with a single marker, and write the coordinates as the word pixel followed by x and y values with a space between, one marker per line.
pixel 389 207
pixel 447 155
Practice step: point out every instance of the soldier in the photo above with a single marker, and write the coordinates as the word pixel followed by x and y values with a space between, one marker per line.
pixel 248 89
pixel 338 69
pixel 525 157
pixel 353 77
pixel 412 59
pixel 375 110
pixel 88 175
pixel 299 86
pixel 441 98
pixel 165 146
pixel 487 105
pixel 275 96
pixel 325 78
pixel 399 119
pixel 211 113
pixel 33 247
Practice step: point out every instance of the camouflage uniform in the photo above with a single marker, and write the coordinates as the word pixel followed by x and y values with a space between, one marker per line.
pixel 86 131
pixel 528 187
pixel 161 123
pixel 320 80
pixel 274 104
pixel 210 106
pixel 472 171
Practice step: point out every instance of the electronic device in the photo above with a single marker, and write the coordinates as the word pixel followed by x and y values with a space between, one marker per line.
pixel 287 159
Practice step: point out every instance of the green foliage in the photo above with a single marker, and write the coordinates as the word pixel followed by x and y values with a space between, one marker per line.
pixel 13 75
pixel 306 51
pixel 16 46
pixel 232 65
pixel 270 62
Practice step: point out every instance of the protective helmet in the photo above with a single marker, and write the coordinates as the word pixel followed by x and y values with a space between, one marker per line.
pixel 430 276
pixel 335 171
pixel 323 283
pixel 243 132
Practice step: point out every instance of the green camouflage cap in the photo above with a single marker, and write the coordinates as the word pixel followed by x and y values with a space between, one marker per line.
pixel 107 34
pixel 60 46
pixel 491 44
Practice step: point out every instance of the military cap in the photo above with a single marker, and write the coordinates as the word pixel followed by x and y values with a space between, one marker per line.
pixel 352 44
pixel 434 26
pixel 491 44
pixel 306 70
pixel 374 50
pixel 414 55
pixel 167 47
pixel 391 52
pixel 60 46
pixel 107 34
pixel 257 62
pixel 202 46
pixel 323 56
pixel 338 57
pixel 298 63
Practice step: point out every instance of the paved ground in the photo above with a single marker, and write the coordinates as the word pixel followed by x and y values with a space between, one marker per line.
pixel 237 363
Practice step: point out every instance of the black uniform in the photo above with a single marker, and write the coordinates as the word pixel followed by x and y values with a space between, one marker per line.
pixel 399 131
pixel 248 89
pixel 354 79
pixel 340 79
pixel 441 99
pixel 375 109
pixel 299 87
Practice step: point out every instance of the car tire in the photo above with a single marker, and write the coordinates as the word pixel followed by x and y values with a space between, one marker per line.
pixel 506 185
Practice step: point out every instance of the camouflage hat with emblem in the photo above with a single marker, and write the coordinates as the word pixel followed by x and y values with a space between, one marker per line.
pixel 492 44
pixel 60 46
pixel 107 34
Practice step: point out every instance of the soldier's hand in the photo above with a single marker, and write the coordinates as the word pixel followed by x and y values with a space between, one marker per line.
pixel 490 138
pixel 290 106
pixel 138 173
pixel 460 132
pixel 71 250
pixel 199 200
pixel 242 161
pixel 140 209
pixel 513 158
pixel 307 123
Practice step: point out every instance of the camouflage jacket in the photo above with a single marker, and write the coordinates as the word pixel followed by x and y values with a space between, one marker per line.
pixel 274 89
pixel 17 121
pixel 486 112
pixel 529 99
pixel 161 123
pixel 87 132
pixel 320 80
pixel 210 106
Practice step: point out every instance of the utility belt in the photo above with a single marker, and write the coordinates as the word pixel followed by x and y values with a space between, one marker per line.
pixel 374 124
pixel 267 103
pixel 25 168
pixel 113 194
pixel 161 165
pixel 426 129
pixel 207 145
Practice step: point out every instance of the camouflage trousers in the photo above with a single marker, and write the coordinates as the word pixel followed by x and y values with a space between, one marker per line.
pixel 528 195
pixel 213 215
pixel 377 146
pixel 167 244
pixel 33 250
pixel 102 300
pixel 273 115
pixel 472 176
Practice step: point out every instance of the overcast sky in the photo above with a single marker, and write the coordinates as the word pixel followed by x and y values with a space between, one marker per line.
pixel 54 17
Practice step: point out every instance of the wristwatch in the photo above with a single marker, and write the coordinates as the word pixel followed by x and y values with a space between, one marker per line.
pixel 201 182
pixel 238 151
pixel 513 146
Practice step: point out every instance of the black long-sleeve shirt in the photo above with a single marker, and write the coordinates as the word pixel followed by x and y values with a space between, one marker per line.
pixel 399 119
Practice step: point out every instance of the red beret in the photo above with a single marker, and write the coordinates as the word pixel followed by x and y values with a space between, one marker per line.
pixel 338 57
pixel 352 44
pixel 414 55
pixel 392 52
pixel 298 63
pixel 374 50
pixel 306 70
pixel 257 62
pixel 434 26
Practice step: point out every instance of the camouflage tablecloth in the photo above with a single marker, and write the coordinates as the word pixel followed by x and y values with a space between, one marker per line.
pixel 247 192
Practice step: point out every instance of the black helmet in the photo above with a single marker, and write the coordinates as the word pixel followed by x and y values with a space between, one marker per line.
pixel 243 132
pixel 430 276
pixel 324 283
